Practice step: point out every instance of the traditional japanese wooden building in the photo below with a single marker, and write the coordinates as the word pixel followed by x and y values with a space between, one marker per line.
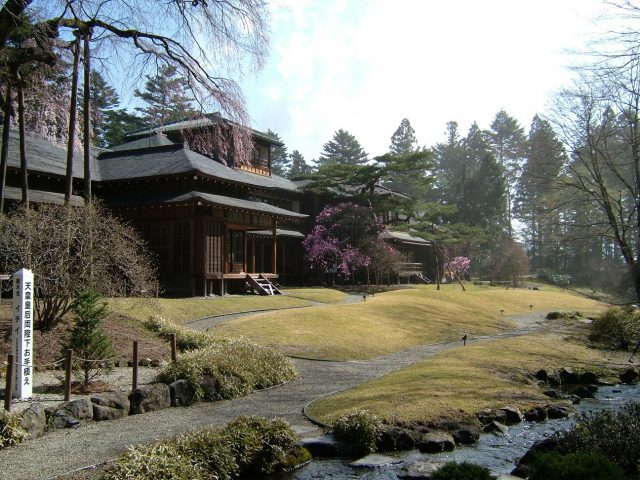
pixel 214 227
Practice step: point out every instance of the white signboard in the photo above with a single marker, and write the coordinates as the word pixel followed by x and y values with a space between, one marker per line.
pixel 22 332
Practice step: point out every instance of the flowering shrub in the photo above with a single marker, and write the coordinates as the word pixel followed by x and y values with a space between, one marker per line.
pixel 341 238
pixel 457 267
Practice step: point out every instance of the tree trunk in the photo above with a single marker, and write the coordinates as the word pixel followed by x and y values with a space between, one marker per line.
pixel 24 171
pixel 72 123
pixel 4 152
pixel 87 120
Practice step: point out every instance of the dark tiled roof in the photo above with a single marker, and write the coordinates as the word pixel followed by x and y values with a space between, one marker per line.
pixel 188 197
pixel 40 196
pixel 176 159
pixel 43 156
pixel 204 121
pixel 154 140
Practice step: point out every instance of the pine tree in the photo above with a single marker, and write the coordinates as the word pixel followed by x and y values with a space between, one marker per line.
pixel 166 97
pixel 299 168
pixel 535 196
pixel 104 98
pixel 87 339
pixel 280 161
pixel 343 149
pixel 403 139
pixel 117 124
pixel 508 140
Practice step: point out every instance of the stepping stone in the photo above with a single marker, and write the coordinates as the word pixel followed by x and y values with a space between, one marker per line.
pixel 375 461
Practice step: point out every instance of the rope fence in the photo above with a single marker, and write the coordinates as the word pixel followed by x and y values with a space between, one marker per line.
pixel 68 362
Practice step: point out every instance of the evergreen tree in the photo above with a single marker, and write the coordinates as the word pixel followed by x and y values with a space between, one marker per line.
pixel 104 98
pixel 117 124
pixel 87 339
pixel 166 96
pixel 403 139
pixel 536 196
pixel 508 141
pixel 450 167
pixel 484 193
pixel 280 161
pixel 299 168
pixel 343 149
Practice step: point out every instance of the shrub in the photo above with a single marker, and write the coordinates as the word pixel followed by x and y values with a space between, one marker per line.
pixel 563 315
pixel 186 339
pixel 237 367
pixel 359 429
pixel 574 466
pixel 616 325
pixel 11 433
pixel 250 447
pixel 157 461
pixel 616 435
pixel 260 446
pixel 462 471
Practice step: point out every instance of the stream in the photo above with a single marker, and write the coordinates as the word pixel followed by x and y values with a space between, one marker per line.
pixel 499 454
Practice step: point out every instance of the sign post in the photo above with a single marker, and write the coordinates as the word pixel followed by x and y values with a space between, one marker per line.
pixel 22 332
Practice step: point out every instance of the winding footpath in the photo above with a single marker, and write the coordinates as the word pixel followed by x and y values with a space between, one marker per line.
pixel 63 451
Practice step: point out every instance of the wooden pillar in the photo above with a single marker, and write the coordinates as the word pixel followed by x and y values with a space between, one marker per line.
pixel 253 254
pixel 275 247
pixel 244 245
pixel 284 258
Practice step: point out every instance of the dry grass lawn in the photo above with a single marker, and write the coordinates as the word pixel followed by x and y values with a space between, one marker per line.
pixel 393 321
pixel 463 381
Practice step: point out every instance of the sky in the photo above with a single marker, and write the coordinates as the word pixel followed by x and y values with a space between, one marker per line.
pixel 364 65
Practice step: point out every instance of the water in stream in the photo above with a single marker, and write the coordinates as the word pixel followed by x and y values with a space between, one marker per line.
pixel 499 454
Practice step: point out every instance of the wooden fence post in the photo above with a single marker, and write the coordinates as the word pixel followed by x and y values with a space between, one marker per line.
pixel 174 356
pixel 11 373
pixel 67 375
pixel 134 384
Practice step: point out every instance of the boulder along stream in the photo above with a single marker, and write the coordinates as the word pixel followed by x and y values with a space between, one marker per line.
pixel 498 453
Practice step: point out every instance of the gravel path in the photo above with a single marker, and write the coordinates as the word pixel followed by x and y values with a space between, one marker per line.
pixel 62 451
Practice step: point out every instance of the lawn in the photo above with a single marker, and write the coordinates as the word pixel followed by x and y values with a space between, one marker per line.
pixel 463 381
pixel 182 310
pixel 397 320
pixel 317 294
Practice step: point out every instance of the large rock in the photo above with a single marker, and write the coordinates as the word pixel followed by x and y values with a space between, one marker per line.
pixel 420 470
pixel 496 428
pixel 512 415
pixel 568 376
pixel 375 461
pixel 542 375
pixel 110 406
pixel 558 411
pixel 396 438
pixel 150 398
pixel 466 436
pixel 34 420
pixel 588 378
pixel 436 442
pixel 327 446
pixel 182 394
pixel 209 387
pixel 69 414
pixel 488 415
pixel 537 414
pixel 583 391
pixel 629 376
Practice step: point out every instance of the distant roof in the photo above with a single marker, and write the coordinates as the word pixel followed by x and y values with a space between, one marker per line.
pixel 43 156
pixel 207 120
pixel 279 233
pixel 176 159
pixel 228 202
pixel 404 237
pixel 40 196
pixel 153 140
